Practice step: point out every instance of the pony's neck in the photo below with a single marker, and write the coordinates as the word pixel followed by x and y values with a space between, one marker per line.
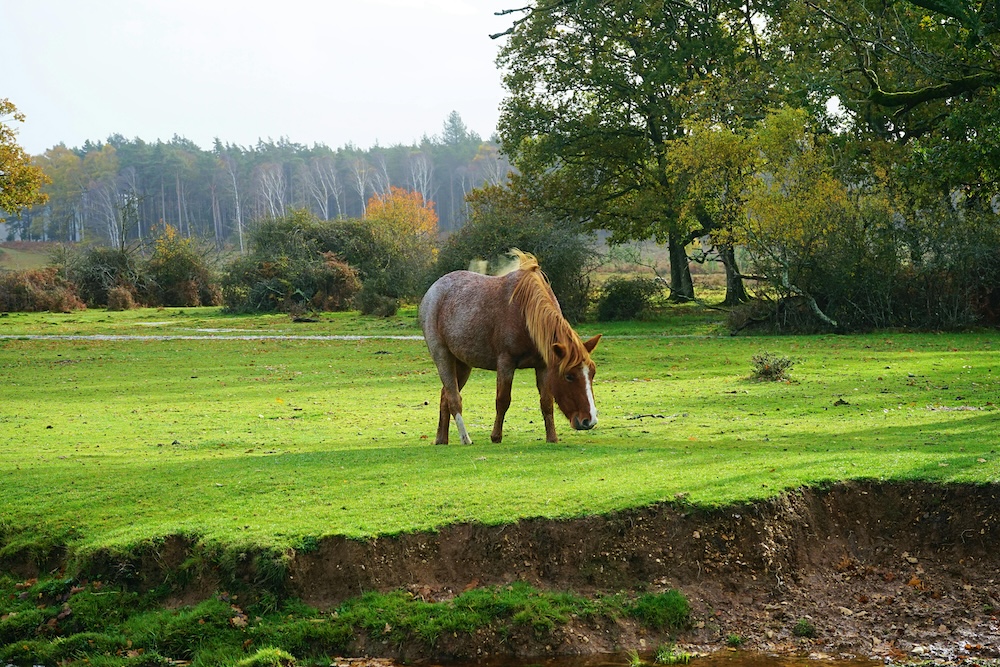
pixel 544 320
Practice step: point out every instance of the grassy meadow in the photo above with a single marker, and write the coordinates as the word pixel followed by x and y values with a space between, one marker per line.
pixel 20 256
pixel 260 432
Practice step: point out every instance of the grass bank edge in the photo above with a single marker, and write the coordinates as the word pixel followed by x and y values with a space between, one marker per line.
pixel 54 619
pixel 265 569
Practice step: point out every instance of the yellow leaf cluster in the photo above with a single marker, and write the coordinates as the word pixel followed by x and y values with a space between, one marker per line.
pixel 21 181
pixel 169 243
pixel 400 212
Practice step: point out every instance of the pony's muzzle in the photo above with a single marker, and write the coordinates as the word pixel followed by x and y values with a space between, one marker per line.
pixel 584 424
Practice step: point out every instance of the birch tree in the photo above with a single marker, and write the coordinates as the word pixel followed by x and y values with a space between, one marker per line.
pixel 271 187
pixel 323 184
pixel 361 181
pixel 421 174
pixel 230 166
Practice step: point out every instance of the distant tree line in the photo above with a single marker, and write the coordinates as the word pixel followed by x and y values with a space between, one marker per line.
pixel 298 263
pixel 120 190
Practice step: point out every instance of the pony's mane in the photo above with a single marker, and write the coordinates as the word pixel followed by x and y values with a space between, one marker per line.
pixel 542 317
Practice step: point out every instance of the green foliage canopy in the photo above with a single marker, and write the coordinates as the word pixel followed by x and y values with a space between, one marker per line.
pixel 916 80
pixel 597 89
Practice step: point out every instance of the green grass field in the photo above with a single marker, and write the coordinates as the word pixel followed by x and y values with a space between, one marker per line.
pixel 264 443
pixel 259 433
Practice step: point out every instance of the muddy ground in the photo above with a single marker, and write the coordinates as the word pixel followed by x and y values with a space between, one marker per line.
pixel 878 570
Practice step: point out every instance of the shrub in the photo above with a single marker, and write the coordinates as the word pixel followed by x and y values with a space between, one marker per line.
pixel 868 264
pixel 335 283
pixel 791 313
pixel 370 302
pixel 179 273
pixel 769 367
pixel 288 285
pixel 37 290
pixel 287 271
pixel 500 219
pixel 100 269
pixel 120 298
pixel 384 267
pixel 627 298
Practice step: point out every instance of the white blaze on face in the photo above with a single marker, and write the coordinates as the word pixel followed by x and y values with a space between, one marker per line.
pixel 590 395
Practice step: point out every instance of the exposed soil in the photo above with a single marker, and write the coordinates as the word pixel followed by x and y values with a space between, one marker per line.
pixel 879 570
pixel 902 571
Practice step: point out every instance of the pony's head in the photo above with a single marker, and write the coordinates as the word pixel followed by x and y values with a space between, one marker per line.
pixel 570 380
pixel 569 370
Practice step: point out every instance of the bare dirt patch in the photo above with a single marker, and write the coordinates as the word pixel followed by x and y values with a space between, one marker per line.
pixel 875 570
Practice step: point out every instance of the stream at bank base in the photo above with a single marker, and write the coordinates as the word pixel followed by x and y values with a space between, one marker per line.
pixel 719 659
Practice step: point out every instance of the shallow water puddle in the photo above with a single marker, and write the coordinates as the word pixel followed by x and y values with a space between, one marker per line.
pixel 720 659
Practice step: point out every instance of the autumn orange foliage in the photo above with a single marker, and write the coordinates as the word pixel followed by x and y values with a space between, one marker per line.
pixel 402 212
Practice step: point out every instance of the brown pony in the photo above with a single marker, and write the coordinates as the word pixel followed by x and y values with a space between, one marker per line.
pixel 503 323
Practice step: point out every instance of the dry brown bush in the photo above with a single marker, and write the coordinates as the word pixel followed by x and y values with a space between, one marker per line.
pixel 36 290
pixel 121 298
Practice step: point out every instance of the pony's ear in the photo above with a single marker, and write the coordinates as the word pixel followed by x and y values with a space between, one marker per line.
pixel 559 350
pixel 592 343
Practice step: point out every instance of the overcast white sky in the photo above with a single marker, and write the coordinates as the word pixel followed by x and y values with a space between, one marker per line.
pixel 326 71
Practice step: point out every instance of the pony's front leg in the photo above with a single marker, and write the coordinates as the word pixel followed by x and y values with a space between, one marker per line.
pixel 505 379
pixel 545 402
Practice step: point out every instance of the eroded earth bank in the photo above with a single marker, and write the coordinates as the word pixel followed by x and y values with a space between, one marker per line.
pixel 878 570
pixel 900 571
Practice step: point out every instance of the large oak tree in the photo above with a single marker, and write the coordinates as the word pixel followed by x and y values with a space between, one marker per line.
pixel 598 89
pixel 916 79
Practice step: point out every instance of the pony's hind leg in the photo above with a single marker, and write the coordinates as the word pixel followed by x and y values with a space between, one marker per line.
pixel 444 419
pixel 454 375
pixel 462 375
